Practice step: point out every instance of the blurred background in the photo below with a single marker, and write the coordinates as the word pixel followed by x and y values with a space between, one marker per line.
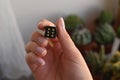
pixel 93 25
pixel 29 13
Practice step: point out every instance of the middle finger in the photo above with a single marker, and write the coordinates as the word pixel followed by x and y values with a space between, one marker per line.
pixel 39 39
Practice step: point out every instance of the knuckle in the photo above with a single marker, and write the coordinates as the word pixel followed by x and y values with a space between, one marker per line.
pixel 29 46
pixel 39 39
pixel 29 57
pixel 34 35
pixel 44 43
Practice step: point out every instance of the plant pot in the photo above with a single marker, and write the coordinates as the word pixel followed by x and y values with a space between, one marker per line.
pixel 116 46
pixel 84 48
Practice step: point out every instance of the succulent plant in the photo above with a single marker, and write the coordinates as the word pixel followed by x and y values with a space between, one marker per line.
pixel 112 67
pixel 97 60
pixel 116 68
pixel 81 36
pixel 104 34
pixel 115 57
pixel 101 64
pixel 105 17
pixel 72 21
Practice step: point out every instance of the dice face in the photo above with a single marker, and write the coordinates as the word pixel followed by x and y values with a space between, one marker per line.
pixel 50 32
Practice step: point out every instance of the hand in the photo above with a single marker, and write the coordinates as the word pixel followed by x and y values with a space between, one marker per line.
pixel 63 61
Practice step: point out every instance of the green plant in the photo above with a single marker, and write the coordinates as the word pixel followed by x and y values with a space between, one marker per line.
pixel 104 34
pixel 72 21
pixel 115 57
pixel 81 36
pixel 101 65
pixel 96 60
pixel 106 17
pixel 112 67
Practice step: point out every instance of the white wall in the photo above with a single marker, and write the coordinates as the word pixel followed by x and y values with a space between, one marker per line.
pixel 30 12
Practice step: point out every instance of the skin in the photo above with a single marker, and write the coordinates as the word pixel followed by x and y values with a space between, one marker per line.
pixel 63 61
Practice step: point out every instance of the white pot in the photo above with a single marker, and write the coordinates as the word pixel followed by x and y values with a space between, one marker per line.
pixel 116 45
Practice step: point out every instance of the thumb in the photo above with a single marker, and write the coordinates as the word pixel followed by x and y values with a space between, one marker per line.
pixel 64 38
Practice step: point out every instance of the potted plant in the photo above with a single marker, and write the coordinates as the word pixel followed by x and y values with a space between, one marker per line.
pixel 79 33
pixel 103 67
pixel 104 35
pixel 83 39
pixel 112 67
pixel 96 62
pixel 116 43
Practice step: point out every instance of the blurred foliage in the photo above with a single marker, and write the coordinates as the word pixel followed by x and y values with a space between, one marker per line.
pixel 104 34
pixel 96 60
pixel 101 65
pixel 112 67
pixel 81 36
pixel 72 21
pixel 105 17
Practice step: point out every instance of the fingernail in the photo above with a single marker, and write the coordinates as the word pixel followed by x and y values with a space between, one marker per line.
pixel 41 50
pixel 41 61
pixel 62 22
pixel 41 40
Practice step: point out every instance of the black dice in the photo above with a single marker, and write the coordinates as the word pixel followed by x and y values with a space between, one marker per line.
pixel 50 32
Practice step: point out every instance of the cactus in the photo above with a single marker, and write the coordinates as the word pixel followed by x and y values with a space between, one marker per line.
pixel 116 68
pixel 81 36
pixel 115 57
pixel 106 17
pixel 72 21
pixel 97 60
pixel 112 67
pixel 104 34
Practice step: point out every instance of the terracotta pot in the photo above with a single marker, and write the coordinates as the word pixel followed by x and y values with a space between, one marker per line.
pixel 94 47
pixel 88 47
